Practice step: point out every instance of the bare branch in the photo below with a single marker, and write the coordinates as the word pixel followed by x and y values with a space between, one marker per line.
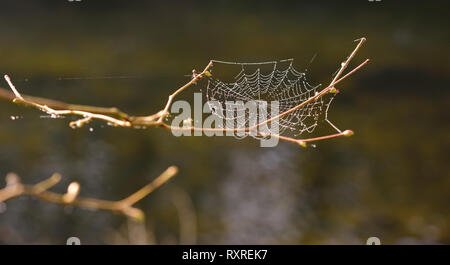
pixel 119 118
pixel 302 142
pixel 86 115
pixel 323 92
pixel 194 80
pixel 6 94
pixel 15 188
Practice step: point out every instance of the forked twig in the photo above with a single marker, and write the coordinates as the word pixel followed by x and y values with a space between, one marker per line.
pixel 14 188
pixel 118 118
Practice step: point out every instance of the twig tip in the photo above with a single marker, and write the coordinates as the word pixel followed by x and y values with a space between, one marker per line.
pixel 348 133
pixel 72 192
pixel 172 170
pixel 56 177
pixel 135 213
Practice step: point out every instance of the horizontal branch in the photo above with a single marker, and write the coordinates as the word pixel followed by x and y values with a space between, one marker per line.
pixel 14 188
pixel 122 119
pixel 7 95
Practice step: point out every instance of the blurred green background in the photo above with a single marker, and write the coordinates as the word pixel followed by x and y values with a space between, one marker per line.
pixel 390 180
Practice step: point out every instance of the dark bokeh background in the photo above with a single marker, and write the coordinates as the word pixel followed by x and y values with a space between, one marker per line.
pixel 390 180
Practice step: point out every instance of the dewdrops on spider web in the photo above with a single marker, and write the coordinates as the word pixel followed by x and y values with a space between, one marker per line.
pixel 264 83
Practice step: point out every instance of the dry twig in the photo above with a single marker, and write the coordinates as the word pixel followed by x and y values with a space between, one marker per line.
pixel 14 188
pixel 118 118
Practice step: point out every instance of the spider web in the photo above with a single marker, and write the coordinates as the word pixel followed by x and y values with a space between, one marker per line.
pixel 263 83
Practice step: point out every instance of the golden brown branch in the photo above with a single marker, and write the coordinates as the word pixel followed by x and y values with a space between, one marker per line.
pixel 118 118
pixel 15 188
pixel 8 95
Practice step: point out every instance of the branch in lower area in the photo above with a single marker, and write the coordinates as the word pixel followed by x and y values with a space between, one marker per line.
pixel 14 188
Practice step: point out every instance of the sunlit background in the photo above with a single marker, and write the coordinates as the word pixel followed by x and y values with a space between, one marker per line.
pixel 390 180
